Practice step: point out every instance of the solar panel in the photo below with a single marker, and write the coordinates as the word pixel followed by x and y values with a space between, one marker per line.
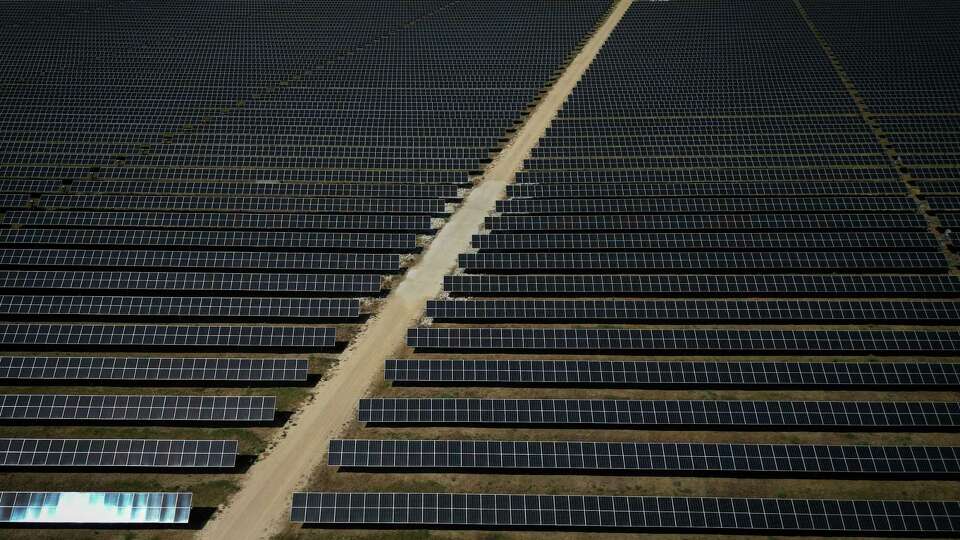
pixel 795 126
pixel 244 204
pixel 693 261
pixel 706 205
pixel 301 284
pixel 135 508
pixel 30 186
pixel 291 126
pixel 696 126
pixel 106 368
pixel 701 285
pixel 641 163
pixel 848 415
pixel 179 260
pixel 726 222
pixel 644 458
pixel 13 201
pixel 213 220
pixel 683 374
pixel 949 220
pixel 867 241
pixel 265 241
pixel 688 189
pixel 403 191
pixel 529 340
pixel 942 203
pixel 604 512
pixel 136 408
pixel 180 307
pixel 742 311
pixel 144 453
pixel 939 186
pixel 146 336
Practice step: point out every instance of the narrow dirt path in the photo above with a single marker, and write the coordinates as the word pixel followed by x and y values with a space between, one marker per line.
pixel 261 508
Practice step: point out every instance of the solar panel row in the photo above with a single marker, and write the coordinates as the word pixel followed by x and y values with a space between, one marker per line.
pixel 178 307
pixel 697 124
pixel 150 453
pixel 656 514
pixel 401 191
pixel 244 204
pixel 869 241
pixel 64 337
pixel 695 374
pixel 699 205
pixel 791 285
pixel 672 341
pixel 219 220
pixel 645 458
pixel 24 185
pixel 264 241
pixel 689 189
pixel 134 508
pixel 179 260
pixel 847 415
pixel 8 201
pixel 136 408
pixel 200 282
pixel 740 311
pixel 699 262
pixel 106 368
pixel 708 222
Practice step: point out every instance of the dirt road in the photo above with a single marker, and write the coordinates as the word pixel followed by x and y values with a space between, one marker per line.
pixel 261 508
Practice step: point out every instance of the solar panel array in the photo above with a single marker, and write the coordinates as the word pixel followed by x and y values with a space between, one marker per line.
pixel 781 172
pixel 107 368
pixel 137 453
pixel 605 512
pixel 219 220
pixel 136 408
pixel 923 312
pixel 850 415
pixel 191 282
pixel 183 338
pixel 702 262
pixel 712 187
pixel 911 98
pixel 178 307
pixel 218 260
pixel 704 241
pixel 672 341
pixel 92 507
pixel 227 240
pixel 912 104
pixel 242 179
pixel 693 374
pixel 685 165
pixel 640 457
pixel 714 285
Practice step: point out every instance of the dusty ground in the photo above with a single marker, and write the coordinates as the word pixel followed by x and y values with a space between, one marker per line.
pixel 261 508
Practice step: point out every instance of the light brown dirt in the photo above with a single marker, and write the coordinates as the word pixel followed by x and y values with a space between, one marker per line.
pixel 261 508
